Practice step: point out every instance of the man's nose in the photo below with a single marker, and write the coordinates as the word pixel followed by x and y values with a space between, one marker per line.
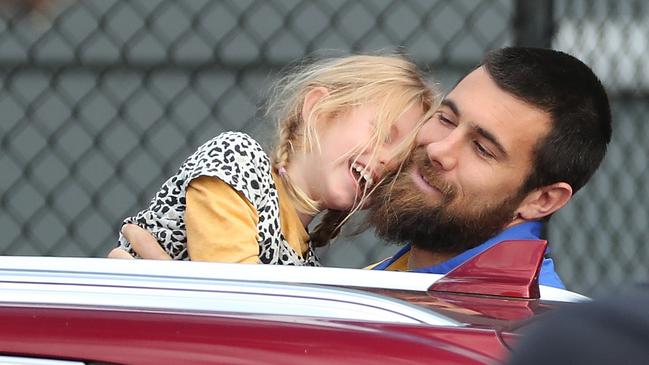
pixel 445 152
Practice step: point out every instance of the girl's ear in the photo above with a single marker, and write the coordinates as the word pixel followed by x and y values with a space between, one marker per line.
pixel 543 201
pixel 311 99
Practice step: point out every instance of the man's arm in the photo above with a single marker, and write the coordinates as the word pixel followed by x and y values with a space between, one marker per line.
pixel 142 242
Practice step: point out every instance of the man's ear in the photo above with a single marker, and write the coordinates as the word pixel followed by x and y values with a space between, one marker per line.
pixel 310 99
pixel 543 201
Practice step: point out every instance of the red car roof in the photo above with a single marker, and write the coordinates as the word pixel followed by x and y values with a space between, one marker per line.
pixel 149 312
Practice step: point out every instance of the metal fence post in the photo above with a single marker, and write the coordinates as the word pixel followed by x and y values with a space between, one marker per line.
pixel 533 23
pixel 534 27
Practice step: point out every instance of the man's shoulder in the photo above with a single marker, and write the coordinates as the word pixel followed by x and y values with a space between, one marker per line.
pixel 549 276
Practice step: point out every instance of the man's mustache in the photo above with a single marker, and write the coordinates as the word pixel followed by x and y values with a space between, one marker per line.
pixel 431 174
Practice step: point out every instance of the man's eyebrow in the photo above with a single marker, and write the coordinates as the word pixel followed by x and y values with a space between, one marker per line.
pixel 451 105
pixel 490 137
pixel 477 129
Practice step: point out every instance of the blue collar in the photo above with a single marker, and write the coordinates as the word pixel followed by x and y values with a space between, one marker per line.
pixel 528 230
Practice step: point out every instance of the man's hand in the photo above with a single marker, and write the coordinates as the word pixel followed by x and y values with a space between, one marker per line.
pixel 118 253
pixel 143 243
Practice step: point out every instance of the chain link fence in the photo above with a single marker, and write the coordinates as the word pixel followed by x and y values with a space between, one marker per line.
pixel 600 239
pixel 101 100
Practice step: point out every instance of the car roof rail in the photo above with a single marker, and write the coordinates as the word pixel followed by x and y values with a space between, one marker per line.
pixel 507 269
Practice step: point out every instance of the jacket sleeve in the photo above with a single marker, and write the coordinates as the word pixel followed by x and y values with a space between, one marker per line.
pixel 221 223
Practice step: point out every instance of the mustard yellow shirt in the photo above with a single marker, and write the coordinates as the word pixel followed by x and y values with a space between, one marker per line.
pixel 401 264
pixel 222 224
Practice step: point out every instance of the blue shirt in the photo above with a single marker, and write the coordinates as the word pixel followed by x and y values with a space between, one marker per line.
pixel 528 230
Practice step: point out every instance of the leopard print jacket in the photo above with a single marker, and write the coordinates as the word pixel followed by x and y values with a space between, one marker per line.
pixel 239 161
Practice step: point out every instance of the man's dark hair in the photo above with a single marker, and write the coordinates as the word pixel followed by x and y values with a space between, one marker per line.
pixel 568 90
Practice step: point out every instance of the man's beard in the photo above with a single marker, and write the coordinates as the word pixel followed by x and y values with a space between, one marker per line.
pixel 401 213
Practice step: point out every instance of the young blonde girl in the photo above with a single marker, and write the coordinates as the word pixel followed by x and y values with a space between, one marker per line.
pixel 342 123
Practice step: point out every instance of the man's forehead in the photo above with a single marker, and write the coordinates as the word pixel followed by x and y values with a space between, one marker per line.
pixel 475 83
pixel 478 100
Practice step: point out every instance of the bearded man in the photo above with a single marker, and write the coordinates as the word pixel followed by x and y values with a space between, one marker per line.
pixel 508 147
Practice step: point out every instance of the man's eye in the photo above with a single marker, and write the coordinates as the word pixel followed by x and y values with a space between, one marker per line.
pixel 482 150
pixel 444 120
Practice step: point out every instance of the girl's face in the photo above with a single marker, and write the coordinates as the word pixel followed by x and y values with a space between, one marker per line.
pixel 337 178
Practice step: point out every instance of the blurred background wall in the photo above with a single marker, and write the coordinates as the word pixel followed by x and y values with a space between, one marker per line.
pixel 101 100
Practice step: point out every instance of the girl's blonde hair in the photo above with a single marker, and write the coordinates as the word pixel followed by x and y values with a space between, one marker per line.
pixel 390 82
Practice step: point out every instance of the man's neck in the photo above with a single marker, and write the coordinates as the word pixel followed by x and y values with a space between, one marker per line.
pixel 423 258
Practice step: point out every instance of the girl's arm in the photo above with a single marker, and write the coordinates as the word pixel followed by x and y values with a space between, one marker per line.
pixel 221 223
